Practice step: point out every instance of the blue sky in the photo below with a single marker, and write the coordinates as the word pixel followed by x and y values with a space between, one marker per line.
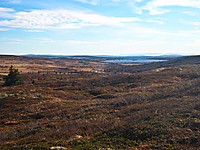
pixel 99 27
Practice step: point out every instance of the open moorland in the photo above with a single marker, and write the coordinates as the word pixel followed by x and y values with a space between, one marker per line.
pixel 85 103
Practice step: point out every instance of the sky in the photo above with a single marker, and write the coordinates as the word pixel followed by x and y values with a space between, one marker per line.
pixel 100 27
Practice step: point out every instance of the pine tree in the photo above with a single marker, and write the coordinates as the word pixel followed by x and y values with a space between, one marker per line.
pixel 13 78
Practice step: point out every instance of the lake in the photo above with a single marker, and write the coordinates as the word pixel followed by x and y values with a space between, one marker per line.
pixel 133 61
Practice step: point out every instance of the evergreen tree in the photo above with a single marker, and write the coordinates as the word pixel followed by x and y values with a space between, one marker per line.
pixel 13 77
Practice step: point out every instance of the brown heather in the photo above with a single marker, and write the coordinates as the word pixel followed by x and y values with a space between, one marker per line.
pixel 70 103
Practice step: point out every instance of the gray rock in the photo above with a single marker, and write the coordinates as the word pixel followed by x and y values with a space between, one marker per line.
pixel 11 95
pixel 58 148
pixel 3 95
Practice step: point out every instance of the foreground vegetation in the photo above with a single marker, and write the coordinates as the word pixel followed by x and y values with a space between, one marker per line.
pixel 86 104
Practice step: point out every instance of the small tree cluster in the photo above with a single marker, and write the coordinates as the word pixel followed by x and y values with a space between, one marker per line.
pixel 13 78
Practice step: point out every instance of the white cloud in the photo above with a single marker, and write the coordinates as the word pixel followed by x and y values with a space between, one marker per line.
pixel 34 30
pixel 155 6
pixel 2 9
pixel 7 15
pixel 5 29
pixel 6 12
pixel 93 2
pixel 45 40
pixel 14 1
pixel 189 13
pixel 158 11
pixel 195 23
pixel 17 40
pixel 131 3
pixel 191 32
pixel 83 42
pixel 191 23
pixel 127 1
pixel 62 19
pixel 12 41
pixel 156 21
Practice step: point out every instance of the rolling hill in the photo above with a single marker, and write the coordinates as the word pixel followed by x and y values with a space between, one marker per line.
pixel 81 104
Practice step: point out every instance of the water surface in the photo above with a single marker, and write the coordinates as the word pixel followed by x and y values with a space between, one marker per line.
pixel 133 61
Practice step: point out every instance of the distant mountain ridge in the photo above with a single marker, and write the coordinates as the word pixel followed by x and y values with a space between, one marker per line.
pixel 106 56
